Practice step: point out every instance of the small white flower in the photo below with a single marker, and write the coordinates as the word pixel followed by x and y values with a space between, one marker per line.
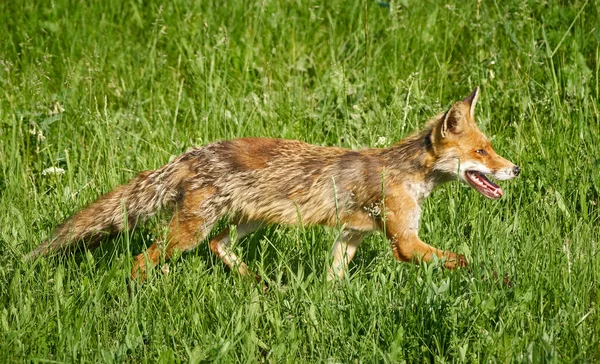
pixel 38 133
pixel 381 142
pixel 57 108
pixel 53 170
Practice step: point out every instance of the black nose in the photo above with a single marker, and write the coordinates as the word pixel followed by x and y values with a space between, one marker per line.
pixel 516 170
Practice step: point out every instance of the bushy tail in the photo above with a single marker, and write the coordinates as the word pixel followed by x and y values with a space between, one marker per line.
pixel 133 202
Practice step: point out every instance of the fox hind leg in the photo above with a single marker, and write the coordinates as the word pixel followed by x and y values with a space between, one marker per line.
pixel 343 251
pixel 189 226
pixel 221 246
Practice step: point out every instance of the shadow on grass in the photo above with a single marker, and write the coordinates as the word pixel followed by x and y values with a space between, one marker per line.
pixel 276 254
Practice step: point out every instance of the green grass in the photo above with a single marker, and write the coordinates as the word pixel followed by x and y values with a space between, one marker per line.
pixel 104 89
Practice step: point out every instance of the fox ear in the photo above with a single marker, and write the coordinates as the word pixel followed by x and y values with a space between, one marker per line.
pixel 471 100
pixel 452 121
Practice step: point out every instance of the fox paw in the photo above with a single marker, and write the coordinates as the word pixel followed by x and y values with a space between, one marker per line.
pixel 454 261
pixel 138 272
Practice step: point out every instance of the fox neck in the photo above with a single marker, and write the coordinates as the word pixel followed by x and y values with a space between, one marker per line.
pixel 412 163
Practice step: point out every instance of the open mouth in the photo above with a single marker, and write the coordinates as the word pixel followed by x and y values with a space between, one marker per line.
pixel 483 185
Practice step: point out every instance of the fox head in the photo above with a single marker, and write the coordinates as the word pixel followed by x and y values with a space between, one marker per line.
pixel 463 151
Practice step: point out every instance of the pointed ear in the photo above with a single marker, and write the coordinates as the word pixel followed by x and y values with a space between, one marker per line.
pixel 452 121
pixel 471 100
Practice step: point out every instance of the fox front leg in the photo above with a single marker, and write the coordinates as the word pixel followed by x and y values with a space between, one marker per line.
pixel 401 227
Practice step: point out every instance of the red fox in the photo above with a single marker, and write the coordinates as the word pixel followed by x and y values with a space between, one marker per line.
pixel 259 181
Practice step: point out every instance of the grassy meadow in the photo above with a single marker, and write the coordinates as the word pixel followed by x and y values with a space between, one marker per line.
pixel 104 89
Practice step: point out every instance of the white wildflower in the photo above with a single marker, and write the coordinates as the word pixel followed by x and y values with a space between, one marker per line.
pixel 57 108
pixel 38 133
pixel 53 170
pixel 381 142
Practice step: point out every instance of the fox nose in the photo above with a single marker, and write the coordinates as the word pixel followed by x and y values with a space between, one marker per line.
pixel 516 170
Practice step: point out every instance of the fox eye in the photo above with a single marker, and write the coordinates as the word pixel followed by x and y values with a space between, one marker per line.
pixel 481 152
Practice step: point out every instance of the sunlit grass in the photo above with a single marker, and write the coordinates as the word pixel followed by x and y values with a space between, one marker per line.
pixel 101 90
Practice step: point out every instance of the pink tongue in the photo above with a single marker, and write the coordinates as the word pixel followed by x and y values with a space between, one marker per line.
pixel 489 184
